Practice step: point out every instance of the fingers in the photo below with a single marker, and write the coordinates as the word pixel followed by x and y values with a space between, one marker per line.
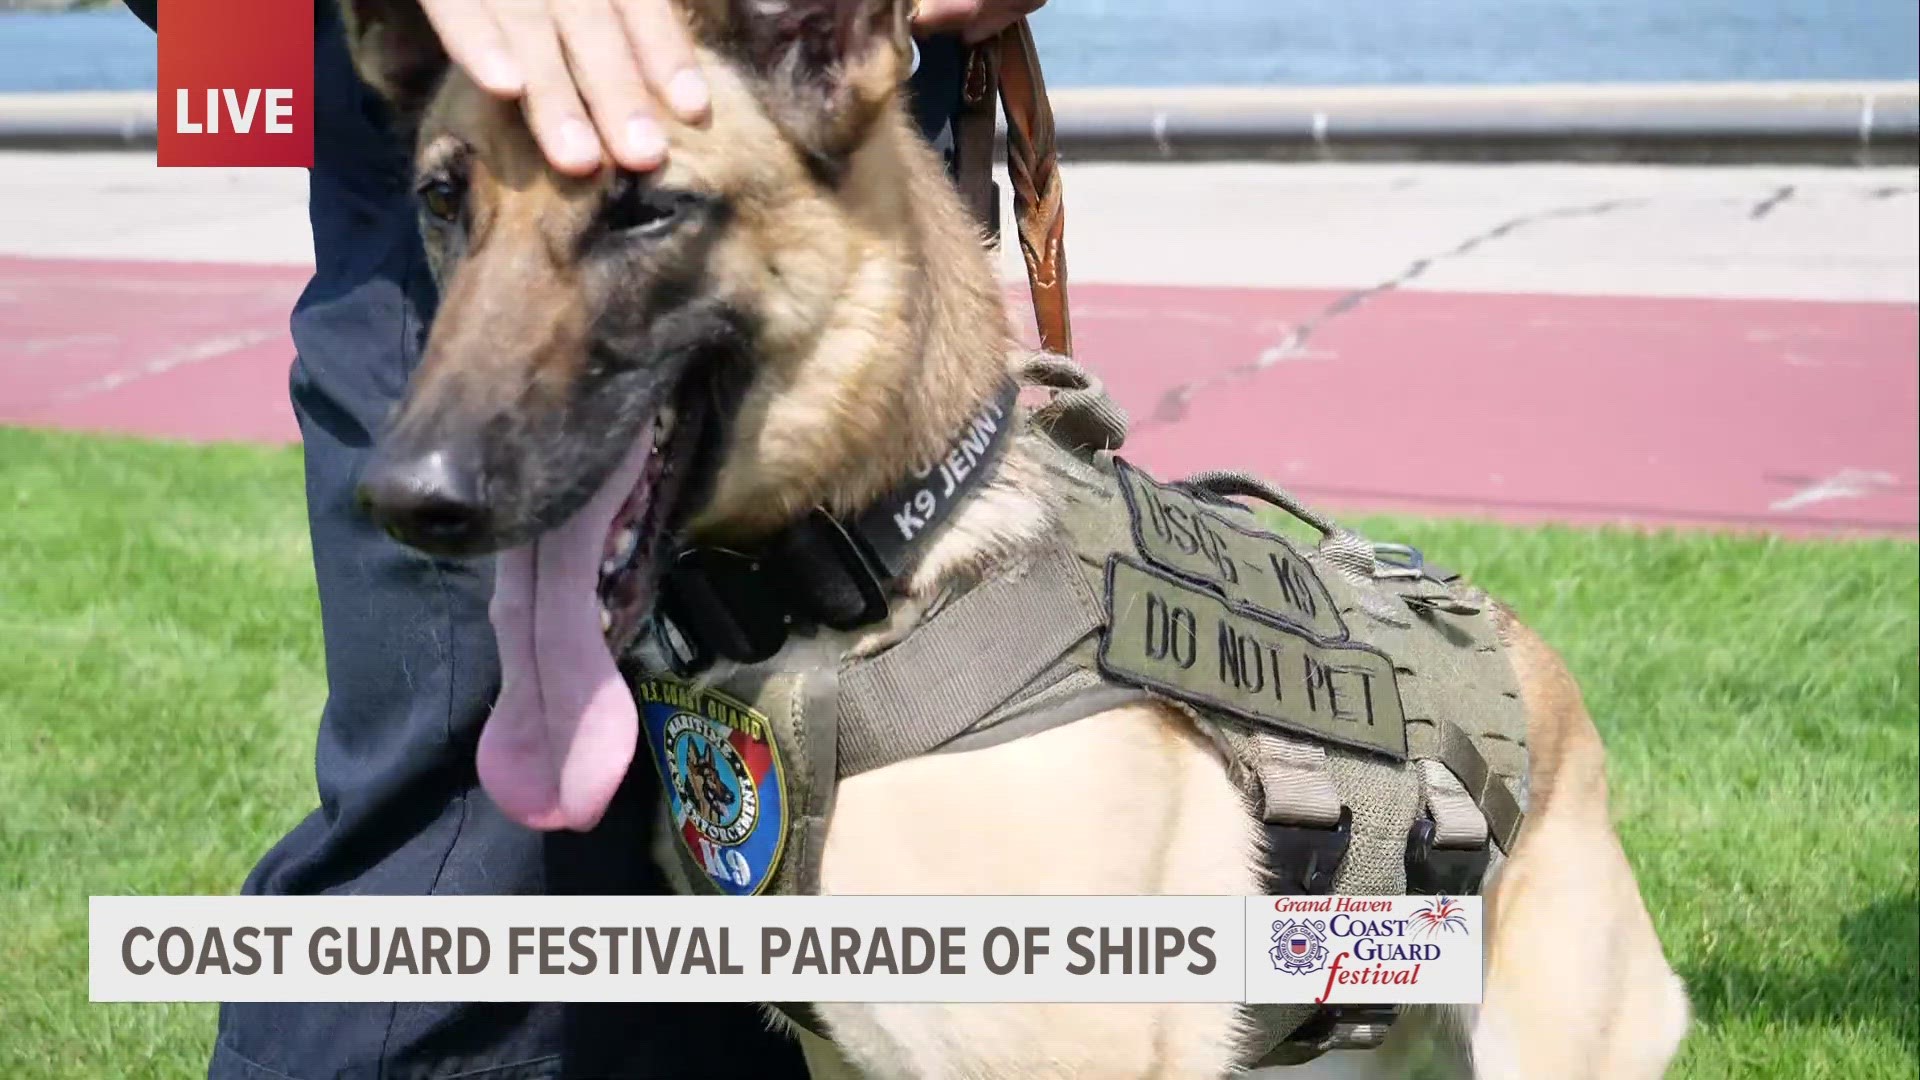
pixel 946 15
pixel 554 110
pixel 604 71
pixel 587 72
pixel 472 40
pixel 974 20
pixel 998 16
pixel 665 51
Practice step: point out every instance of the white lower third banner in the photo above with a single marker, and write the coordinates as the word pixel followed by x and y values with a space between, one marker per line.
pixel 1329 949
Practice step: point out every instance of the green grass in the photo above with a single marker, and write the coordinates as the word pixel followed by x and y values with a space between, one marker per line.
pixel 160 678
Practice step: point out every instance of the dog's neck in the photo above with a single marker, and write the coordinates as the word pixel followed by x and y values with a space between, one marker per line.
pixel 917 343
pixel 956 312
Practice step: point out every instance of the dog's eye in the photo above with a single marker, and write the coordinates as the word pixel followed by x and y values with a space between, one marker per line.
pixel 646 211
pixel 442 196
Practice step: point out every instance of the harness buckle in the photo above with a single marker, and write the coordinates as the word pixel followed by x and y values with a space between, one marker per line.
pixel 1409 563
pixel 1440 871
pixel 1339 1027
pixel 719 603
pixel 723 603
pixel 839 585
pixel 683 656
pixel 1302 860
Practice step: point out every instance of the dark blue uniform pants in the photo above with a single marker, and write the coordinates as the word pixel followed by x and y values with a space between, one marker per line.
pixel 411 672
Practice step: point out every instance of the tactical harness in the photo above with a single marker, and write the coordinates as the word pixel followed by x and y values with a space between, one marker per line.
pixel 1363 701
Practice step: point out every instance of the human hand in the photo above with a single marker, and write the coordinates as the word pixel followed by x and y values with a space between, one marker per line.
pixel 973 20
pixel 588 72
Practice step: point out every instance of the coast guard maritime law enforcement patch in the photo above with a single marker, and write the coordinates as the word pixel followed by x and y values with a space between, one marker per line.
pixel 723 781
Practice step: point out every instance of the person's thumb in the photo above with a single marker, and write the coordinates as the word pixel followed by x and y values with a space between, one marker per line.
pixel 945 15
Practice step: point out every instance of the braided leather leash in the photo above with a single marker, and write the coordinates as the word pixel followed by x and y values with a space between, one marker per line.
pixel 1008 66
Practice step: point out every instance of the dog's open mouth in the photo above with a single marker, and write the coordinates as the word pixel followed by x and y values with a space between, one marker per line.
pixel 565 607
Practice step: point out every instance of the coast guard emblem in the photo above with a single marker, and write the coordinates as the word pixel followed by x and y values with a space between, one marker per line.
pixel 1298 947
pixel 723 782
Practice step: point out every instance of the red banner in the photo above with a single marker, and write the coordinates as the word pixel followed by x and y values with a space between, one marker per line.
pixel 236 83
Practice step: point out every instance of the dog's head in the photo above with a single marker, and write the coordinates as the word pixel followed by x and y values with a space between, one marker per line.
pixel 576 312
pixel 622 361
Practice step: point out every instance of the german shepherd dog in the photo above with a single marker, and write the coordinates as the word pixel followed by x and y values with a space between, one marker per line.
pixel 704 791
pixel 794 313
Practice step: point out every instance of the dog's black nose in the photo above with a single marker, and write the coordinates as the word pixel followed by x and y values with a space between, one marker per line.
pixel 431 501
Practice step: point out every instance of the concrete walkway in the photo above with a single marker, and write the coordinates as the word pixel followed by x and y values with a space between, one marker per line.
pixel 1730 347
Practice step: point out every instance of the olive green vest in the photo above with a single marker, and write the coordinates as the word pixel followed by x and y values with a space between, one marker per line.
pixel 1349 687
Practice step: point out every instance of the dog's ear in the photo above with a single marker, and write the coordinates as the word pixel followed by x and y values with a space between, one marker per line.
pixel 828 66
pixel 396 52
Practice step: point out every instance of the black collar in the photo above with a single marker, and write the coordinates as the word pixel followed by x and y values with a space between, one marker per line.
pixel 716 603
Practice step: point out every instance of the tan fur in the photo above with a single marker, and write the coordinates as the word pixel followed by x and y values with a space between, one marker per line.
pixel 843 281
pixel 1183 828
pixel 883 331
pixel 488 356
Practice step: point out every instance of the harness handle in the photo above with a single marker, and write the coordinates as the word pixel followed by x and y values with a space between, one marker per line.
pixel 1352 554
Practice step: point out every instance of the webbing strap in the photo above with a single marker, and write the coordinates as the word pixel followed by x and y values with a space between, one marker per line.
pixel 965 661
pixel 1457 822
pixel 1294 781
pixel 1080 416
pixel 1032 721
pixel 1447 744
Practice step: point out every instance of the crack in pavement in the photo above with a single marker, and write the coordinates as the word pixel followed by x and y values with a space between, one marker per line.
pixel 1845 484
pixel 193 352
pixel 1172 405
pixel 1766 206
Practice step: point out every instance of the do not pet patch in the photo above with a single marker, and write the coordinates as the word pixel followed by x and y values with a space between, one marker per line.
pixel 1184 641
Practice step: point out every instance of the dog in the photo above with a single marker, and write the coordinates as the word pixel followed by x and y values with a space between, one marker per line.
pixel 794 313
pixel 706 791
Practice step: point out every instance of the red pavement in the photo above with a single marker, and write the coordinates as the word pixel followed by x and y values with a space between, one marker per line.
pixel 1792 416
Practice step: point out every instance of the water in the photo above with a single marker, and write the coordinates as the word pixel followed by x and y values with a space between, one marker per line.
pixel 92 50
pixel 1299 42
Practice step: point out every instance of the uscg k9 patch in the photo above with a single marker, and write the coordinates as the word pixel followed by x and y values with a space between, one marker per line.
pixel 1251 568
pixel 723 780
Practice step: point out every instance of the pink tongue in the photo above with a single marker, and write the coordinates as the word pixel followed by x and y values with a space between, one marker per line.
pixel 563 730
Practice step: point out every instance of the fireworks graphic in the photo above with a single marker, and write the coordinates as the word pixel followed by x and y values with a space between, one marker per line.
pixel 1440 913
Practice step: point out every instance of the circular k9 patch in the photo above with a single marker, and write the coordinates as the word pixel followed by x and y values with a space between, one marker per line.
pixel 723 781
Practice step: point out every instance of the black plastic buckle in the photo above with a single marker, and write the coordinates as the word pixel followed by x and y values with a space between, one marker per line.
pixel 828 574
pixel 721 604
pixel 683 655
pixel 1302 860
pixel 1439 871
pixel 1341 1027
